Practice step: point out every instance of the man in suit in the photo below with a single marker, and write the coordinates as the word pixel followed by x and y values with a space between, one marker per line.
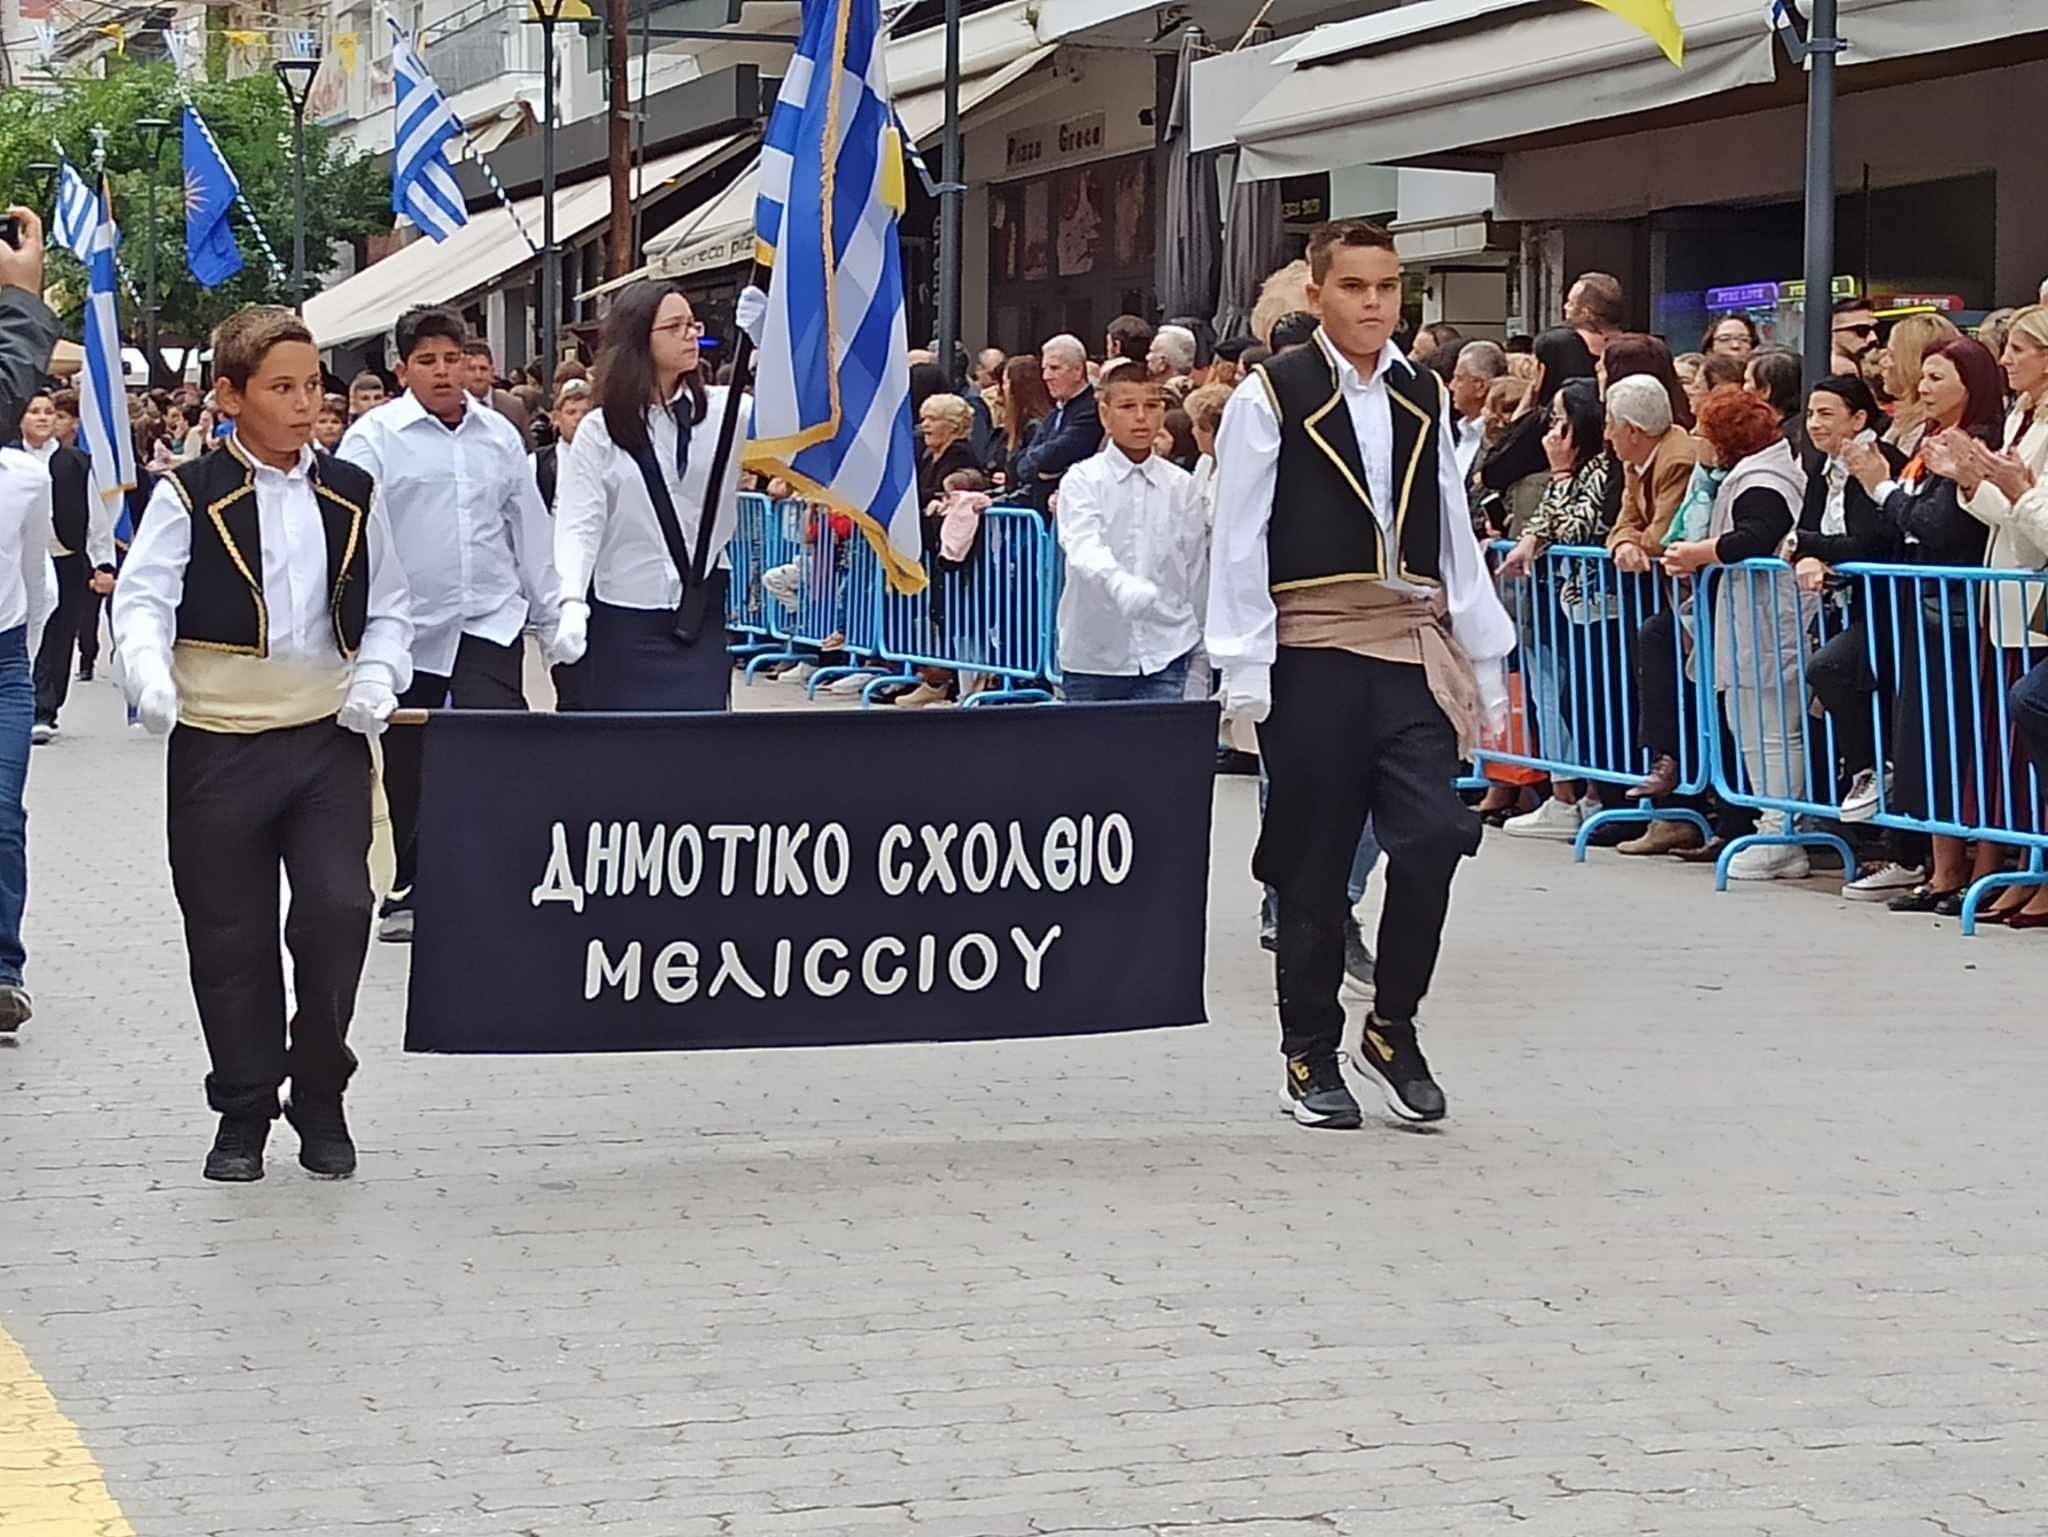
pixel 70 502
pixel 1072 433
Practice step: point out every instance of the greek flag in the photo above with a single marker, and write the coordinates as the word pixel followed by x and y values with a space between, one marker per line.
pixel 77 212
pixel 422 176
pixel 102 391
pixel 832 382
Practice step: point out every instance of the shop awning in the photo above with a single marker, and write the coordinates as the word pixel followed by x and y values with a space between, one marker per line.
pixel 1446 74
pixel 481 252
pixel 1441 76
pixel 723 233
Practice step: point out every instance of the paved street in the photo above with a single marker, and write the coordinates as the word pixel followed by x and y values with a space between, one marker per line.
pixel 1737 1227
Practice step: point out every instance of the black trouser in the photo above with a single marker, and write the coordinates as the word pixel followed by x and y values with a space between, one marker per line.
pixel 486 677
pixel 241 806
pixel 1670 721
pixel 90 603
pixel 1351 737
pixel 60 637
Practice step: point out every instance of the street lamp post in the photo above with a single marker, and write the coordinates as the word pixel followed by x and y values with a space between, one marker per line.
pixel 548 13
pixel 296 76
pixel 153 130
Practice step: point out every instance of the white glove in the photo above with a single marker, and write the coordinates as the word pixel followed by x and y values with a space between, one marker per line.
pixel 367 709
pixel 572 635
pixel 1492 678
pixel 153 694
pixel 1248 692
pixel 750 310
pixel 1132 595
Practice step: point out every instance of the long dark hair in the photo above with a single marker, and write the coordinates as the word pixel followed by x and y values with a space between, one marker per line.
pixel 1580 401
pixel 1026 401
pixel 1635 352
pixel 1565 357
pixel 625 364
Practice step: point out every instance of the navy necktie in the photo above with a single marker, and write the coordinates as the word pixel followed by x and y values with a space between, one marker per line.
pixel 680 408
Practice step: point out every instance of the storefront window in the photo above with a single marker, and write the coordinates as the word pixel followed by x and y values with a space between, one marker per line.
pixel 1070 251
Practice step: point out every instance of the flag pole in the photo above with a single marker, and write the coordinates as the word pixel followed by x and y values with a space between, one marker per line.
pixel 690 621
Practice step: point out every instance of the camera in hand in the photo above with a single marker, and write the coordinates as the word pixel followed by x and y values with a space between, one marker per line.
pixel 10 231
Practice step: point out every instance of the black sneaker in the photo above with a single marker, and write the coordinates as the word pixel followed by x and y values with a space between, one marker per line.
pixel 1269 939
pixel 1316 1096
pixel 1389 1052
pixel 325 1147
pixel 85 672
pixel 16 1008
pixel 1359 965
pixel 237 1154
pixel 394 919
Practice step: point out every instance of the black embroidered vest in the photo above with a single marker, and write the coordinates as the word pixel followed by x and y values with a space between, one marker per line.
pixel 223 608
pixel 1323 528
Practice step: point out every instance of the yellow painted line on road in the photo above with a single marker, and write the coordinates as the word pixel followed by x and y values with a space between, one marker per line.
pixel 50 1486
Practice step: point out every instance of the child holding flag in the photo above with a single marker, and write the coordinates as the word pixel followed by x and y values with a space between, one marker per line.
pixel 263 614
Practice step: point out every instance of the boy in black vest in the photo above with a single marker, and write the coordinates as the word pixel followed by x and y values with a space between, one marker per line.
pixel 262 613
pixel 1353 617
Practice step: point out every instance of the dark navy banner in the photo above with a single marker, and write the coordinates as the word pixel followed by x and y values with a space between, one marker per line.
pixel 673 883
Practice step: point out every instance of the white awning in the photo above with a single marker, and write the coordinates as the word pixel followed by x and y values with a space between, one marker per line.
pixel 1444 75
pixel 480 252
pixel 723 233
pixel 1447 81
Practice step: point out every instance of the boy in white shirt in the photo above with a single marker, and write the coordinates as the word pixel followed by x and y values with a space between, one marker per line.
pixel 477 546
pixel 1136 542
pixel 262 612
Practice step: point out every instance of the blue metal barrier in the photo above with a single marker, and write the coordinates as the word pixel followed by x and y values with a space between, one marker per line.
pixel 1585 665
pixel 745 599
pixel 986 616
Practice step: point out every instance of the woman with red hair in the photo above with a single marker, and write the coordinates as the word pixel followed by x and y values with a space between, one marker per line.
pixel 1960 389
pixel 1760 616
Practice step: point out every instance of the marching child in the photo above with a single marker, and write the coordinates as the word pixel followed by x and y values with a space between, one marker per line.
pixel 263 620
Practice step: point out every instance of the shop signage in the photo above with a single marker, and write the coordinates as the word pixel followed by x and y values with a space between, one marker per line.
pixel 1923 301
pixel 1795 292
pixel 1305 199
pixel 1049 144
pixel 1744 296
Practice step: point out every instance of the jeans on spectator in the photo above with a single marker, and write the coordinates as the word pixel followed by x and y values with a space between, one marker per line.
pixel 1161 687
pixel 2029 715
pixel 1363 859
pixel 17 715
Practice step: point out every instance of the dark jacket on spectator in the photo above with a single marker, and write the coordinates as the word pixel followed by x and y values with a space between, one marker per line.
pixel 1072 433
pixel 1865 536
pixel 28 332
pixel 70 498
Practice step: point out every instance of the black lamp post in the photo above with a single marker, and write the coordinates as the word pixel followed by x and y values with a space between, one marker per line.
pixel 296 76
pixel 548 13
pixel 153 131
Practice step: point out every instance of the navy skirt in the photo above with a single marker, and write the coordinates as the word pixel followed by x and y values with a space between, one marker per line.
pixel 635 662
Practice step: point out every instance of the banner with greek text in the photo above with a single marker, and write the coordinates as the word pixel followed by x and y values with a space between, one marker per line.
pixel 674 883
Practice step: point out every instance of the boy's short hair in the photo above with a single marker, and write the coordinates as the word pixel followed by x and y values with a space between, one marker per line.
pixel 477 347
pixel 65 402
pixel 1343 234
pixel 334 405
pixel 367 376
pixel 965 480
pixel 1125 371
pixel 241 341
pixel 426 322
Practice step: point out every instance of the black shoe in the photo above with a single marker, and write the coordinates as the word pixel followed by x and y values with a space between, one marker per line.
pixel 1390 1053
pixel 237 1154
pixel 85 672
pixel 1269 939
pixel 1229 760
pixel 1612 835
pixel 16 1008
pixel 1316 1095
pixel 1359 965
pixel 394 919
pixel 325 1147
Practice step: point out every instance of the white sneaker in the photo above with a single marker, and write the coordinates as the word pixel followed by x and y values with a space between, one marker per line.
pixel 924 694
pixel 1770 862
pixel 800 675
pixel 42 731
pixel 1882 881
pixel 1553 819
pixel 852 683
pixel 1860 804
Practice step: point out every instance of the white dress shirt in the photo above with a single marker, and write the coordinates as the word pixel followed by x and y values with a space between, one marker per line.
pixel 296 592
pixel 1242 622
pixel 607 538
pixel 1144 519
pixel 1471 437
pixel 27 588
pixel 472 532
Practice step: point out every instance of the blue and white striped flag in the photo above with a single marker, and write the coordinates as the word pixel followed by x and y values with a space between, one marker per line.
pixel 832 381
pixel 77 212
pixel 423 186
pixel 102 390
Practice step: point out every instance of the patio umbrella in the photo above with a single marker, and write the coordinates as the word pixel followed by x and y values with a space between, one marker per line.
pixel 1254 242
pixel 1184 269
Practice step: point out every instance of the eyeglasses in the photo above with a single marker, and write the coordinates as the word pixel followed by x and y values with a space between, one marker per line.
pixel 690 328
